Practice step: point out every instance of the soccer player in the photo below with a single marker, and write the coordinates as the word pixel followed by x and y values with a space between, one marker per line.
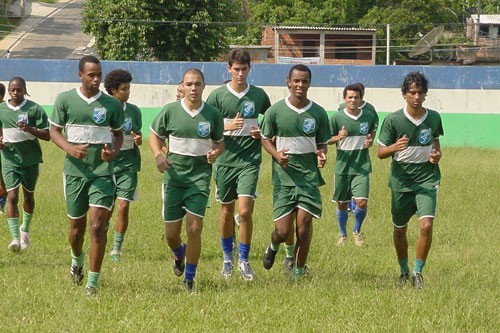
pixel 3 192
pixel 411 137
pixel 92 122
pixel 352 129
pixel 366 107
pixel 194 131
pixel 22 123
pixel 237 170
pixel 301 132
pixel 128 162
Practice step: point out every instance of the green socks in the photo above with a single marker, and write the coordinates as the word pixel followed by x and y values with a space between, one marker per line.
pixel 419 265
pixel 290 250
pixel 117 244
pixel 275 247
pixel 13 224
pixel 26 221
pixel 93 279
pixel 77 260
pixel 403 264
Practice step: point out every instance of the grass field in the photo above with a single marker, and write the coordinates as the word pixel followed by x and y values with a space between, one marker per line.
pixel 349 289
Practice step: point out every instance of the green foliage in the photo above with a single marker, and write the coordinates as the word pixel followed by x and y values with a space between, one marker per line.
pixel 159 30
pixel 349 289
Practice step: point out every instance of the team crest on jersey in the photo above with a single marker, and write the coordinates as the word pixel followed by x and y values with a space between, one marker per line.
pixel 248 109
pixel 22 118
pixel 203 129
pixel 99 115
pixel 127 124
pixel 363 128
pixel 425 136
pixel 309 125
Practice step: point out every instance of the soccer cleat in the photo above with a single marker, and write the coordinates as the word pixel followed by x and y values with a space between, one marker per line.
pixel 179 264
pixel 403 279
pixel 14 246
pixel 227 269
pixel 25 239
pixel 358 239
pixel 288 264
pixel 268 258
pixel 246 270
pixel 298 274
pixel 189 286
pixel 417 280
pixel 76 274
pixel 91 291
pixel 342 240
pixel 115 255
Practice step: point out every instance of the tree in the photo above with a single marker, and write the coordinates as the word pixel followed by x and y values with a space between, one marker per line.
pixel 164 30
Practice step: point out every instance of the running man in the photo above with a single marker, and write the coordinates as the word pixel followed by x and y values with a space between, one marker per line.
pixel 22 123
pixel 3 192
pixel 352 129
pixel 194 131
pixel 411 137
pixel 92 123
pixel 128 162
pixel 237 170
pixel 301 132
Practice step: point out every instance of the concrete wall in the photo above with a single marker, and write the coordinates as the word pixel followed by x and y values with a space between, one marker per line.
pixel 467 97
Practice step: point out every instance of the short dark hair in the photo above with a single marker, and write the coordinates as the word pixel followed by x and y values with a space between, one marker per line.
pixel 2 90
pixel 238 55
pixel 86 59
pixel 115 78
pixel 300 68
pixel 23 82
pixel 415 77
pixel 353 87
pixel 362 86
pixel 193 70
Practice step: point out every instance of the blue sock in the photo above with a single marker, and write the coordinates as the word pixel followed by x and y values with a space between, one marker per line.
pixel 359 217
pixel 227 248
pixel 419 265
pixel 403 264
pixel 342 216
pixel 190 272
pixel 179 252
pixel 243 251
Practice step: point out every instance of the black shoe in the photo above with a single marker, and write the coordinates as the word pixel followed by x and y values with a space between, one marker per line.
pixel 403 279
pixel 189 286
pixel 268 258
pixel 418 280
pixel 179 264
pixel 77 274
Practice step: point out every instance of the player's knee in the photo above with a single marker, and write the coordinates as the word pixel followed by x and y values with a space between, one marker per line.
pixel 362 203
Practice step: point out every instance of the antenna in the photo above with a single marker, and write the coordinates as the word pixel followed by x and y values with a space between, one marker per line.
pixel 427 42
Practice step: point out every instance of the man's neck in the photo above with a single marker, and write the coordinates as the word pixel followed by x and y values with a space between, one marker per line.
pixel 238 87
pixel 415 113
pixel 88 93
pixel 299 103
pixel 192 106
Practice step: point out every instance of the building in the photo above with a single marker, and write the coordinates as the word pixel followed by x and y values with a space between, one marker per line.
pixel 486 44
pixel 320 45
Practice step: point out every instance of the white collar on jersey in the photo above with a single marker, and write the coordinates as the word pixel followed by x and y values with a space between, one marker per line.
pixel 239 95
pixel 189 112
pixel 15 108
pixel 299 111
pixel 91 99
pixel 416 122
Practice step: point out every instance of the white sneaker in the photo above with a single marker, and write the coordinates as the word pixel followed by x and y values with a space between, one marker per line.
pixel 14 246
pixel 25 239
pixel 245 270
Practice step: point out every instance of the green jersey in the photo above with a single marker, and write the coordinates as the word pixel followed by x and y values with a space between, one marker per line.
pixel 21 148
pixel 190 136
pixel 129 157
pixel 366 107
pixel 353 158
pixel 410 168
pixel 300 131
pixel 239 147
pixel 87 121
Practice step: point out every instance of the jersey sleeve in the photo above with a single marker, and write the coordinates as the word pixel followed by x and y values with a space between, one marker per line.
pixel 266 103
pixel 386 135
pixel 268 125
pixel 59 115
pixel 323 134
pixel 218 131
pixel 117 117
pixel 159 124
pixel 41 121
pixel 332 124
pixel 137 122
pixel 438 131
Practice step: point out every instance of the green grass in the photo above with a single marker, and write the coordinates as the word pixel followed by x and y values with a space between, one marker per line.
pixel 349 289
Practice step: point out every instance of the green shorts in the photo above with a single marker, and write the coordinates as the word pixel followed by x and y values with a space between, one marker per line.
pixel 82 192
pixel 287 198
pixel 14 177
pixel 179 200
pixel 126 185
pixel 404 204
pixel 347 186
pixel 232 182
